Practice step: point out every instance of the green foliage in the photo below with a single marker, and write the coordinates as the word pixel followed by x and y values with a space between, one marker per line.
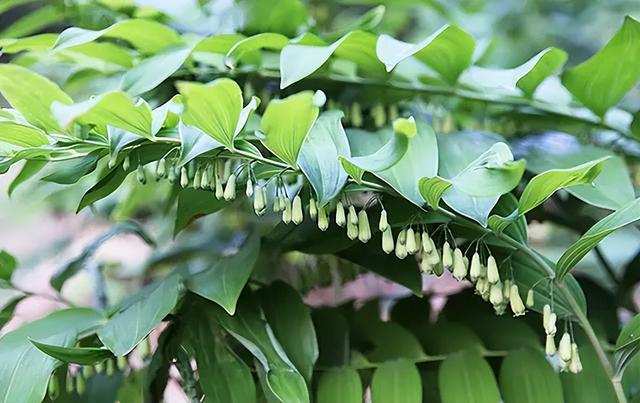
pixel 273 151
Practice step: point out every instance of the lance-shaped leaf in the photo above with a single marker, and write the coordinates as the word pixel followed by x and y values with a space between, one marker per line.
pixel 467 377
pixel 448 51
pixel 625 216
pixel 41 42
pixel 129 326
pixel 70 171
pixel 21 135
pixel 267 40
pixel 216 109
pixel 286 123
pixel 527 377
pixel 223 282
pixel 543 185
pixel 526 77
pixel 319 154
pixel 249 328
pixel 32 95
pixel 628 344
pixel 602 81
pixel 147 36
pixel 299 61
pixel 111 109
pixel 339 385
pixel 74 355
pixel 396 382
pixel 26 370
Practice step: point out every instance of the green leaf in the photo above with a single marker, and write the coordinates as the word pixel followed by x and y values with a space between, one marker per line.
pixel 291 322
pixel 611 189
pixel 319 154
pixel 76 264
pixel 600 230
pixel 112 109
pixel 467 377
pixel 342 385
pixel 116 175
pixel 378 334
pixel 40 42
pixel 457 151
pixel 21 135
pixel 75 355
pixel 299 61
pixel 365 22
pixel 223 282
pixel 128 327
pixel 71 171
pixel 193 204
pixel 8 264
pixel 628 344
pixel 448 51
pixel 527 377
pixel 283 16
pixel 602 81
pixel 29 170
pixel 396 382
pixel 249 328
pixel 145 35
pixel 223 377
pixel 215 108
pixel 32 95
pixel 284 136
pixel 194 142
pixel 543 185
pixel 35 21
pixel 25 371
pixel 420 159
pixel 540 67
pixel 592 385
pixel 432 189
pixel 247 46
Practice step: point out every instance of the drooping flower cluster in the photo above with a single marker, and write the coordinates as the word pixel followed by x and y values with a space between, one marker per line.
pixel 567 349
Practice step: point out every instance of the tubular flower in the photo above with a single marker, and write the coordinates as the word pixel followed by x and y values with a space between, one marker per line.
pixel 353 216
pixel 387 241
pixel 492 270
pixel 323 221
pixel 575 365
pixel 495 294
pixel 476 269
pixel 341 219
pixel 564 348
pixel 383 224
pixel 230 188
pixel 249 188
pixel 459 267
pixel 286 212
pixel 517 306
pixel 447 257
pixel 427 244
pixel 313 209
pixel 530 300
pixel 401 249
pixel 364 230
pixel 297 216
pixel 411 242
pixel 550 346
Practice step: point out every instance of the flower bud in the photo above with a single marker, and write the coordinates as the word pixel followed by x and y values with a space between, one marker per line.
pixel 69 387
pixel 447 257
pixel 205 182
pixel 459 267
pixel 286 212
pixel 87 371
pixel 410 243
pixel 196 178
pixel 379 115
pixel 161 169
pixel 383 224
pixel 142 178
pixel 126 163
pixel 427 243
pixel 550 327
pixel 530 300
pixel 517 306
pixel 482 288
pixel 171 175
pixel 313 209
pixel 249 188
pixel 110 367
pixel 80 384
pixel 226 172
pixel 434 257
pixel 278 204
pixel 53 388
pixel 492 270
pixel 500 309
pixel 353 216
pixel 393 112
pixel 323 222
pixel 425 267
pixel 121 363
pixel 495 294
pixel 364 230
pixel 575 365
pixel 230 190
pixel 219 189
pixel 297 216
pixel 401 249
pixel 259 200
pixel 356 115
pixel 506 290
pixel 564 348
pixel 341 219
pixel 184 179
pixel 99 367
pixel 546 313
pixel 475 270
pixel 387 241
pixel 550 346
pixel 352 231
